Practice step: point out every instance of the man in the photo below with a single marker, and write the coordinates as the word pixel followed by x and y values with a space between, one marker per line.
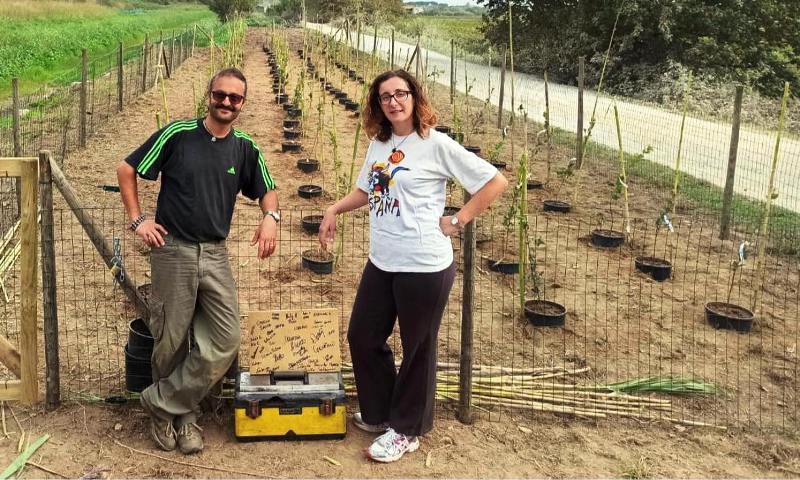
pixel 204 163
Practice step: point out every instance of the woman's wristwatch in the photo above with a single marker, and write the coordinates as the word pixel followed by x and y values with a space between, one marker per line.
pixel 454 221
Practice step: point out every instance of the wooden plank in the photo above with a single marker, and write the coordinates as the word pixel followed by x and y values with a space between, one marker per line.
pixel 49 291
pixel 305 340
pixel 14 167
pixel 727 195
pixel 10 390
pixel 28 261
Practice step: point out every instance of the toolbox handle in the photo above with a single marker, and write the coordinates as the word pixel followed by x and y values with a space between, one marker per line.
pixel 289 376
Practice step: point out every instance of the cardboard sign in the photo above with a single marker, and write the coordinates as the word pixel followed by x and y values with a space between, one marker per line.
pixel 294 340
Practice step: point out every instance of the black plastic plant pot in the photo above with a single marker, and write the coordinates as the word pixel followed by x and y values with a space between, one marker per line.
pixel 340 95
pixel 658 268
pixel 308 165
pixel 287 106
pixel 311 223
pixel 281 98
pixel 534 184
pixel 352 106
pixel 542 313
pixel 443 128
pixel 498 165
pixel 556 206
pixel 291 146
pixel 343 100
pixel 294 112
pixel 360 79
pixel 504 267
pixel 729 316
pixel 607 238
pixel 140 341
pixel 475 150
pixel 291 123
pixel 276 89
pixel 138 372
pixel 329 87
pixel 309 191
pixel 318 262
pixel 292 133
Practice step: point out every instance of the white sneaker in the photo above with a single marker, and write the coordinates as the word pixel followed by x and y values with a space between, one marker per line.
pixel 390 446
pixel 368 427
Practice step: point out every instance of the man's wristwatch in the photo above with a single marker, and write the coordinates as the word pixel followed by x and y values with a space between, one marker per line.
pixel 275 215
pixel 456 223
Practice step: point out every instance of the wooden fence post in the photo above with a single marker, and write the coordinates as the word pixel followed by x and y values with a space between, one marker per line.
pixel 727 195
pixel 84 93
pixel 145 54
pixel 28 262
pixel 194 34
pixel 49 292
pixel 452 71
pixel 579 137
pixel 120 78
pixel 502 90
pixel 15 128
pixel 172 53
pixel 391 61
pixel 467 310
pixel 15 117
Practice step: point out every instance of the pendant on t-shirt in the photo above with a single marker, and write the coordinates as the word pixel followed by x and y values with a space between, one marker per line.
pixel 397 156
pixel 213 139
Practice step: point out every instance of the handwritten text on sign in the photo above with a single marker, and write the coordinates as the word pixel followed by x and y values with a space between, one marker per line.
pixel 294 340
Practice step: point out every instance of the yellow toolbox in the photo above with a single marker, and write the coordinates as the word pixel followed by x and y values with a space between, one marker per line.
pixel 289 405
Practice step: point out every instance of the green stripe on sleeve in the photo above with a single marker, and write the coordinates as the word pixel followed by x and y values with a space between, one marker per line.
pixel 262 164
pixel 158 146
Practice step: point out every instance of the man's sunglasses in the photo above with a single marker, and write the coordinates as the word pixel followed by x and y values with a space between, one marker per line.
pixel 220 97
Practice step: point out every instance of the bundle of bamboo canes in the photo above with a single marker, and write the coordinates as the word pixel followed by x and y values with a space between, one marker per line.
pixel 547 390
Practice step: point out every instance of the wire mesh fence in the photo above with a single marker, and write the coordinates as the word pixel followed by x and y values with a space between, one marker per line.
pixel 621 325
pixel 59 116
pixel 651 134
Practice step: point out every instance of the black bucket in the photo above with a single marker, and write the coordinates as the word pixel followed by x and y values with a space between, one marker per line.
pixel 138 372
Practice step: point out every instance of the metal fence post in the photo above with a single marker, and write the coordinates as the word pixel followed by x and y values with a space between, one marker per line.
pixel 49 291
pixel 468 292
pixel 727 195
pixel 452 71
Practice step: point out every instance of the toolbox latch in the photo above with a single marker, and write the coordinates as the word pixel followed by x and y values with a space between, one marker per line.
pixel 326 406
pixel 253 409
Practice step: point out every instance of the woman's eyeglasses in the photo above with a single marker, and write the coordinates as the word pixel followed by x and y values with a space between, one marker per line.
pixel 400 96
pixel 220 97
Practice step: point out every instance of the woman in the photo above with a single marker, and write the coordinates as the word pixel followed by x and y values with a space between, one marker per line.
pixel 410 269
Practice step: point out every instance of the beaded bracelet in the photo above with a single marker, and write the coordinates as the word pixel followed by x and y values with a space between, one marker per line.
pixel 136 222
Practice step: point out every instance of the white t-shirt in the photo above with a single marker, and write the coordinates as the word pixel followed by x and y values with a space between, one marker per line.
pixel 407 198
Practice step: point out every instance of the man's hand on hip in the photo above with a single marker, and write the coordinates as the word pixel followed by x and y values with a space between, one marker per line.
pixel 151 233
pixel 265 236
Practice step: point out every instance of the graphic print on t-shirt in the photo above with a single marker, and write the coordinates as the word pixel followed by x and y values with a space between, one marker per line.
pixel 381 181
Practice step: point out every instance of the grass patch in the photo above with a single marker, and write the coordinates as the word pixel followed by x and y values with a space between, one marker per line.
pixel 700 194
pixel 42 41
pixel 436 32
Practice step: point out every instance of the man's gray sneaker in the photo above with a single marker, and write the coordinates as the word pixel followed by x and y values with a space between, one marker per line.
pixel 161 429
pixel 190 440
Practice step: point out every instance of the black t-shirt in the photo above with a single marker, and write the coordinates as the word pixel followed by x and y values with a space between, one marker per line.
pixel 200 178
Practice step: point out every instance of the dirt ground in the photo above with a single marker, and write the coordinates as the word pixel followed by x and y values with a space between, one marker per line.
pixel 96 439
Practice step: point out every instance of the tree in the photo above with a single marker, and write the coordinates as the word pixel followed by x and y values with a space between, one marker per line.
pixel 227 9
pixel 751 41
